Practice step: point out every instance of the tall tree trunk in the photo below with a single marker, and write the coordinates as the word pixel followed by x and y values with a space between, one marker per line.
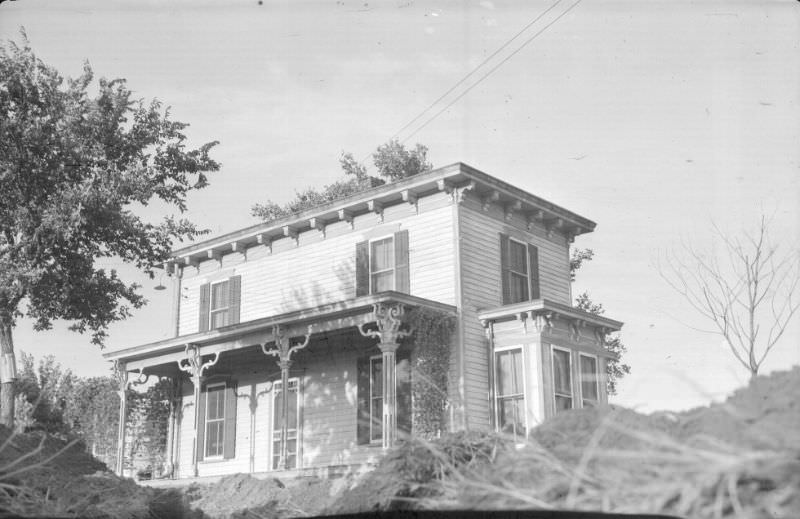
pixel 8 373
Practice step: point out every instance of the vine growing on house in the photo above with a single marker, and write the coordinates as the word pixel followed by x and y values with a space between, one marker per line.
pixel 430 362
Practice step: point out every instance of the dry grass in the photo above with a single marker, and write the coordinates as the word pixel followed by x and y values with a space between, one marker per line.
pixel 642 471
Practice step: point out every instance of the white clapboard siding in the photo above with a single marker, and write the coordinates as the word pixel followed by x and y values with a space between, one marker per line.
pixel 482 288
pixel 322 269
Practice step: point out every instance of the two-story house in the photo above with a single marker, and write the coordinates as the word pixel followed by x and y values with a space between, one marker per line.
pixel 291 348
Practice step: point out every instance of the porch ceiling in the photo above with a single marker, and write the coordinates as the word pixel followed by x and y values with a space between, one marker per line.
pixel 323 318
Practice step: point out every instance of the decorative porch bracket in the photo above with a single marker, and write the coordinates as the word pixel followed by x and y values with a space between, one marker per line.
pixel 388 318
pixel 193 365
pixel 283 350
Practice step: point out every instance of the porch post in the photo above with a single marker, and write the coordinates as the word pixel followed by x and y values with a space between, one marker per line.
pixel 195 367
pixel 284 352
pixel 121 375
pixel 174 388
pixel 388 318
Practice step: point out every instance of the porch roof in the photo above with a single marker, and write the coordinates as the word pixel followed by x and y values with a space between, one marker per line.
pixel 327 317
pixel 530 309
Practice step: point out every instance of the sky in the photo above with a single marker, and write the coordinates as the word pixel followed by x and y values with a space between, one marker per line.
pixel 656 119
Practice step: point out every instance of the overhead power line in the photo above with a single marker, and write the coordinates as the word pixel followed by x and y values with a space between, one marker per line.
pixel 491 71
pixel 474 70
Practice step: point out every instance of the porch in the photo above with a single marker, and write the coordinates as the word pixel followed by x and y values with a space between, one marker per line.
pixel 347 369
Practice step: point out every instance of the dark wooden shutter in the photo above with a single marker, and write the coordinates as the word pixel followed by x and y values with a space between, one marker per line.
pixel 205 303
pixel 504 268
pixel 362 268
pixel 404 393
pixel 201 424
pixel 402 283
pixel 235 291
pixel 229 446
pixel 533 265
pixel 362 415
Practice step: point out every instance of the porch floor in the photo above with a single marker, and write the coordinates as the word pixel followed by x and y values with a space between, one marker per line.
pixel 329 472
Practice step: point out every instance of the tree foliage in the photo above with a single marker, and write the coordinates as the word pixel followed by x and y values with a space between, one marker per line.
pixel 615 368
pixel 392 161
pixel 745 286
pixel 74 167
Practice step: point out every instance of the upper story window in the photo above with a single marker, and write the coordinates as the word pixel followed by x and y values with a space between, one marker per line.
pixel 589 380
pixel 520 270
pixel 219 313
pixel 219 303
pixel 382 264
pixel 509 390
pixel 562 379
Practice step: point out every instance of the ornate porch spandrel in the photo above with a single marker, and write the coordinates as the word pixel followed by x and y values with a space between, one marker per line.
pixel 389 318
pixel 193 365
pixel 284 351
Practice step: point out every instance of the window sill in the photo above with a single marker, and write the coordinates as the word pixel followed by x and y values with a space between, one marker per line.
pixel 211 461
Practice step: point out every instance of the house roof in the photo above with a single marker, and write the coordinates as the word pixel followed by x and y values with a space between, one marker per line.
pixel 448 178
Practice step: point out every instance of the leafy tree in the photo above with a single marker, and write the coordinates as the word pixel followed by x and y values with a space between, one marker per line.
pixel 615 368
pixel 392 160
pixel 73 167
pixel 395 162
pixel 93 414
pixel 47 390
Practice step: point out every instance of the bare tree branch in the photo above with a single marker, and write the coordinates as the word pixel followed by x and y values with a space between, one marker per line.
pixel 747 288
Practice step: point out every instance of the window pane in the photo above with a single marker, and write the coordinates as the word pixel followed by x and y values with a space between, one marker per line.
pixel 512 415
pixel 561 376
pixel 377 377
pixel 517 257
pixel 517 287
pixel 509 373
pixel 382 256
pixel 589 378
pixel 383 281
pixel 376 417
pixel 563 403
pixel 292 417
pixel 219 319
pixel 219 295
pixel 215 403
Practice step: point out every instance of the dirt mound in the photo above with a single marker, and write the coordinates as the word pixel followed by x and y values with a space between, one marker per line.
pixel 47 476
pixel 737 459
pixel 763 415
pixel 240 496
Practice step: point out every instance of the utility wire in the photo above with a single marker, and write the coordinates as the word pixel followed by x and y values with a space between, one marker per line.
pixel 462 94
pixel 474 70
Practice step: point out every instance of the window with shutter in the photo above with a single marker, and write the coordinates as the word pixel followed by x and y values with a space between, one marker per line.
pixel 519 264
pixel 220 302
pixel 215 421
pixel 382 264
pixel 216 428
